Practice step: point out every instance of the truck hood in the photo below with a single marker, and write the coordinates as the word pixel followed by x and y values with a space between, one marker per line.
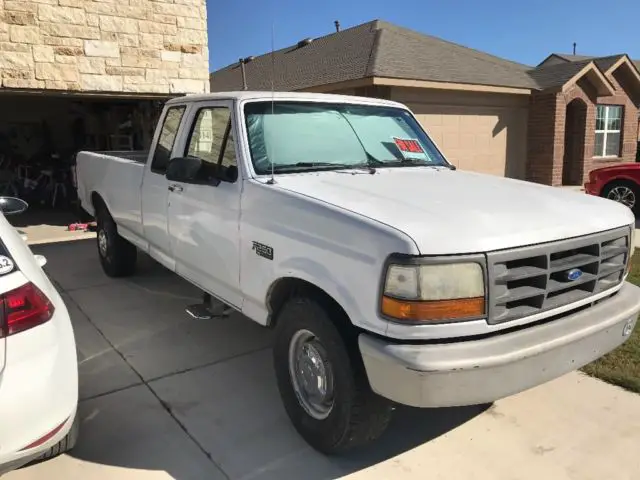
pixel 449 212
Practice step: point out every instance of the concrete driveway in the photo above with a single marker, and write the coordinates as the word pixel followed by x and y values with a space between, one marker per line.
pixel 163 396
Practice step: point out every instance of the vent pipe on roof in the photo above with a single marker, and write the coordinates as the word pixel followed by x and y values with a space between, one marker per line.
pixel 244 76
pixel 337 24
pixel 304 42
pixel 574 47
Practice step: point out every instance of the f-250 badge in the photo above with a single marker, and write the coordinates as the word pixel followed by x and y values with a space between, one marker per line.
pixel 263 250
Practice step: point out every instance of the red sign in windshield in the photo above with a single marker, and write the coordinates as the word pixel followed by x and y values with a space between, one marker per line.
pixel 410 146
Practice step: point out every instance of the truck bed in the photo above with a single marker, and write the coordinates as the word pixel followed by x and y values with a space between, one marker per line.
pixel 116 176
pixel 135 155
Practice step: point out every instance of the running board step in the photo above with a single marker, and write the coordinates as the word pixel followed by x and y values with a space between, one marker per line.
pixel 203 311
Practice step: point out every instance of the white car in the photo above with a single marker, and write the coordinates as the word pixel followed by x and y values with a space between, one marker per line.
pixel 38 361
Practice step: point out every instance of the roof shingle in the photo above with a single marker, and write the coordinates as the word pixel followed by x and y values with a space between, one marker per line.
pixel 558 74
pixel 403 53
pixel 573 58
pixel 329 59
pixel 603 63
pixel 381 49
pixel 376 48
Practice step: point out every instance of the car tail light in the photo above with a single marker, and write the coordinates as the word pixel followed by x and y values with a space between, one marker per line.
pixel 22 309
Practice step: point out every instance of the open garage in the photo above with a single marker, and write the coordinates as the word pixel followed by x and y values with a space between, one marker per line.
pixel 87 75
pixel 40 138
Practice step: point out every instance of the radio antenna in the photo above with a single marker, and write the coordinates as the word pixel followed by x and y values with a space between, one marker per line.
pixel 272 180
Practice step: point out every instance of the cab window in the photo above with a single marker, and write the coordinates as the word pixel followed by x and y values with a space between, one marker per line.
pixel 211 140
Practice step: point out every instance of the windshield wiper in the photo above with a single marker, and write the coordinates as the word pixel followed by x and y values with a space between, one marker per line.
pixel 413 162
pixel 302 166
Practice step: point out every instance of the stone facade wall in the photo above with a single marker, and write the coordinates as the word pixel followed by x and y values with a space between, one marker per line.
pixel 136 46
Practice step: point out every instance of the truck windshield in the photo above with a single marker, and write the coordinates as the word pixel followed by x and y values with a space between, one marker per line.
pixel 299 136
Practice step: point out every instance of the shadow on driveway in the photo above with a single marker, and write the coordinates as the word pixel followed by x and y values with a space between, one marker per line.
pixel 133 445
pixel 197 400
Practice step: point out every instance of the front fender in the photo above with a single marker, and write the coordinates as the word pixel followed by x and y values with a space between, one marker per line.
pixel 97 199
pixel 619 178
pixel 317 274
pixel 337 251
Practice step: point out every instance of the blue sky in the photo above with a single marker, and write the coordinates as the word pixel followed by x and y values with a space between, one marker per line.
pixel 521 30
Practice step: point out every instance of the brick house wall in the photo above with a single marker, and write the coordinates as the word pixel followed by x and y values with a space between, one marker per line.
pixel 138 46
pixel 547 124
pixel 544 121
pixel 629 123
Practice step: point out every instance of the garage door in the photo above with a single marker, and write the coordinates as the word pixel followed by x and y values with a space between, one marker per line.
pixel 480 132
pixel 480 139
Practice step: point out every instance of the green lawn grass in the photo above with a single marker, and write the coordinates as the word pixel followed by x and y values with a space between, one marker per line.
pixel 622 366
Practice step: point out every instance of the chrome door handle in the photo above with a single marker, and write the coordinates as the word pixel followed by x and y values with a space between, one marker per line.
pixel 175 188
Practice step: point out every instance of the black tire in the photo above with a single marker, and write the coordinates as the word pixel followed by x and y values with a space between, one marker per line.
pixel 66 444
pixel 609 191
pixel 358 416
pixel 119 258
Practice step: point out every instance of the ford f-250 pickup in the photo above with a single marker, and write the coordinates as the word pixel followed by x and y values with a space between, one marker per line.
pixel 389 276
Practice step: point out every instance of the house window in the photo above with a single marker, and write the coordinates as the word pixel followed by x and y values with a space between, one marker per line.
pixel 608 127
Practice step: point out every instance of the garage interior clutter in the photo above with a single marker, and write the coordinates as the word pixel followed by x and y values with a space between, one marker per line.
pixel 41 134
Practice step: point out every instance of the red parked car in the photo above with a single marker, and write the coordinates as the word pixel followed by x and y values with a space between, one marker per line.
pixel 620 183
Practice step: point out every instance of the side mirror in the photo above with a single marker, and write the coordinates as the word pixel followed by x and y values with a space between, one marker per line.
pixel 183 169
pixel 229 174
pixel 12 205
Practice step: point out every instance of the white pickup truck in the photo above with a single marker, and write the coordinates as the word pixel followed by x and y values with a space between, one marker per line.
pixel 388 275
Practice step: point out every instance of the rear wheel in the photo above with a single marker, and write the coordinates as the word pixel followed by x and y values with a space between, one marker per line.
pixel 117 255
pixel 322 380
pixel 623 192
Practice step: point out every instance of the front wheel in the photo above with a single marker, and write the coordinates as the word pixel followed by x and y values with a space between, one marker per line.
pixel 623 192
pixel 117 255
pixel 324 388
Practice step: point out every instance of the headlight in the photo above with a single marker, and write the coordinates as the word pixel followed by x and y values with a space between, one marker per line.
pixel 453 291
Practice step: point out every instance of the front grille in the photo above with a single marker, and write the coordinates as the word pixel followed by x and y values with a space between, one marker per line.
pixel 530 280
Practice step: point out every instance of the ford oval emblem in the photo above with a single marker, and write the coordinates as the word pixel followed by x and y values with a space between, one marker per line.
pixel 573 274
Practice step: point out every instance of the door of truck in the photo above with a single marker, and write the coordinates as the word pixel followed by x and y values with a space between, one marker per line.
pixel 155 187
pixel 204 215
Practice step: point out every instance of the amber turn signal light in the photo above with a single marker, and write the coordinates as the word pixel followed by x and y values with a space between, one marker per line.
pixel 433 310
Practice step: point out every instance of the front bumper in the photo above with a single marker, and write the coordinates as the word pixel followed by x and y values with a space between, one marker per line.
pixel 481 371
pixel 590 188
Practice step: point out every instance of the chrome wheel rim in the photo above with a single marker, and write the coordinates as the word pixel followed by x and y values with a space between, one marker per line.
pixel 624 195
pixel 311 374
pixel 102 243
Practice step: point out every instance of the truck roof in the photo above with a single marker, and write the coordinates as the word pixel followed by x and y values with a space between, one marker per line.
pixel 292 96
